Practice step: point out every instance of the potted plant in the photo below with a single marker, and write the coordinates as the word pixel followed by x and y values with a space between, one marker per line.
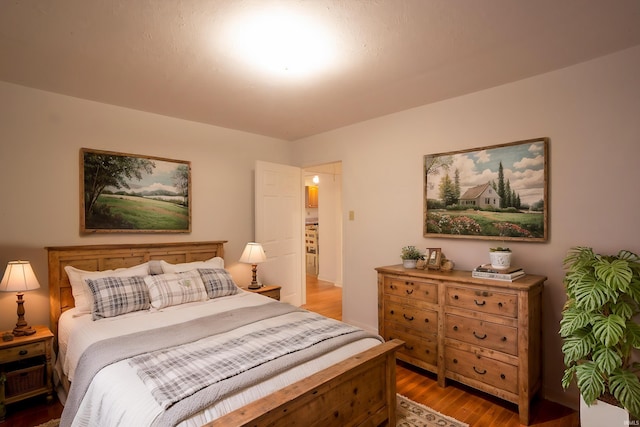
pixel 500 257
pixel 410 256
pixel 599 329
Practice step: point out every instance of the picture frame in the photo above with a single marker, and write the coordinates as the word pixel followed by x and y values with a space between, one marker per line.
pixel 433 259
pixel 494 192
pixel 132 193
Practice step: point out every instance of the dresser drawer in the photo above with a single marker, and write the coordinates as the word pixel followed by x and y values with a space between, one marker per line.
pixel 481 333
pixel 24 351
pixel 410 288
pixel 413 317
pixel 423 348
pixel 484 301
pixel 483 369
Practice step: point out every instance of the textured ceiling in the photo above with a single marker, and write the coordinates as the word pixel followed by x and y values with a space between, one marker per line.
pixel 171 57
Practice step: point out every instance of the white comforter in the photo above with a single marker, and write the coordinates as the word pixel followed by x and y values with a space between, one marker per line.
pixel 117 397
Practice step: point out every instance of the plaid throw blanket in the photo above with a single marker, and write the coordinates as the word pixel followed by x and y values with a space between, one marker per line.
pixel 175 373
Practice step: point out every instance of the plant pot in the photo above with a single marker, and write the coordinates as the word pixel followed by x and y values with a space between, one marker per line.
pixel 500 259
pixel 602 414
pixel 409 263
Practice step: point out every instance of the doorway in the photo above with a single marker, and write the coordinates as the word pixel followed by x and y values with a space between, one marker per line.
pixel 323 223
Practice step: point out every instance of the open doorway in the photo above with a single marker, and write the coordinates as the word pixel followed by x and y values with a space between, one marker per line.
pixel 323 224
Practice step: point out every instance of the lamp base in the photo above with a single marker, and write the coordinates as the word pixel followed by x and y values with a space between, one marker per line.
pixel 19 331
pixel 254 285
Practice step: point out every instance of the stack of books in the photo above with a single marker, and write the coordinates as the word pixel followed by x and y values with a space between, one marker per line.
pixel 486 271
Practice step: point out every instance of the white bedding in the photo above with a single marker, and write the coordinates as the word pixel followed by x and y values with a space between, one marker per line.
pixel 118 397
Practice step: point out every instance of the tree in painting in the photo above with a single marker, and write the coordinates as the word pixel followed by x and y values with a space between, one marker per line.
pixel 103 170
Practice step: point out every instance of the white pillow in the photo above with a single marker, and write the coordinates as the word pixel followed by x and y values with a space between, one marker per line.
pixel 170 289
pixel 80 289
pixel 215 262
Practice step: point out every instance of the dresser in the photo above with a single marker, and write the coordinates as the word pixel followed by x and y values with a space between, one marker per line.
pixel 480 332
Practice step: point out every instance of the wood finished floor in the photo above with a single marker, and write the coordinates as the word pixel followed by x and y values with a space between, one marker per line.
pixel 463 403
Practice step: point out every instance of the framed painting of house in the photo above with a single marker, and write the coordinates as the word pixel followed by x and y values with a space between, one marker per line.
pixel 493 193
pixel 132 193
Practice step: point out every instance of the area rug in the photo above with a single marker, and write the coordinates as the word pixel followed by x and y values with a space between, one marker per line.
pixel 408 414
pixel 413 414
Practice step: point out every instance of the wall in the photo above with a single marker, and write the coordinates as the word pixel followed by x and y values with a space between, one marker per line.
pixel 41 135
pixel 590 113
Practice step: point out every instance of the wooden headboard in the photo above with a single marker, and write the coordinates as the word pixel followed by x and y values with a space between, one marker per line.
pixel 109 257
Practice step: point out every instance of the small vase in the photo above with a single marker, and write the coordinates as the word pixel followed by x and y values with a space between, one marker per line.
pixel 409 263
pixel 500 259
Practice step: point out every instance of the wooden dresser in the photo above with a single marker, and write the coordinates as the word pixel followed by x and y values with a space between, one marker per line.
pixel 480 332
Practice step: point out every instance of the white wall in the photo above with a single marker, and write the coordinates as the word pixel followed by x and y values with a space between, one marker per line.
pixel 590 113
pixel 41 134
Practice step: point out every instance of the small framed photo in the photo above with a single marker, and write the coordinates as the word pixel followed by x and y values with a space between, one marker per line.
pixel 432 261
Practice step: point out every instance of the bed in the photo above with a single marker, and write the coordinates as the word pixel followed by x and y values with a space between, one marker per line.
pixel 352 383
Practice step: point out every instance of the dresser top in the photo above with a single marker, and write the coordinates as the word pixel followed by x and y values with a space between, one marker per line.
pixel 528 281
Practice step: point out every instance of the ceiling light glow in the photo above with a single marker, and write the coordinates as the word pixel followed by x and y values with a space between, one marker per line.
pixel 282 43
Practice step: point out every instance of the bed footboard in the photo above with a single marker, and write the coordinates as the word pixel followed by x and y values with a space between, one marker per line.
pixel 359 391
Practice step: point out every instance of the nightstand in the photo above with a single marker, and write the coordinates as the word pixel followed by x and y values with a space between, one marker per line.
pixel 271 291
pixel 25 368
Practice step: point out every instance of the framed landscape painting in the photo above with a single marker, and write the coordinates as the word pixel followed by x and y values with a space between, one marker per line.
pixel 133 193
pixel 493 193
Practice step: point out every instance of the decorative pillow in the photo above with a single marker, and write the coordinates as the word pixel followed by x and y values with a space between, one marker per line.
pixel 113 296
pixel 155 267
pixel 80 290
pixel 215 262
pixel 218 282
pixel 175 288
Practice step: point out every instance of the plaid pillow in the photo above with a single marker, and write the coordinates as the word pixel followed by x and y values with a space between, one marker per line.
pixel 218 282
pixel 113 296
pixel 175 288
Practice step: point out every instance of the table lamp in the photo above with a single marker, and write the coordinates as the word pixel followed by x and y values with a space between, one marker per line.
pixel 253 254
pixel 19 277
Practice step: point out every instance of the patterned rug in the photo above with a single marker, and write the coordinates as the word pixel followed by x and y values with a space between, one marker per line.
pixel 413 414
pixel 409 414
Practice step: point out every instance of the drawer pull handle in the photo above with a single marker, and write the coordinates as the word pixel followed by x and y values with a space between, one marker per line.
pixel 409 291
pixel 391 311
pixel 479 304
pixel 393 288
pixel 455 328
pixel 455 360
pixel 478 372
pixel 503 376
pixel 478 336
pixel 500 304
pixel 456 297
pixel 408 347
pixel 409 318
pixel 427 351
pixel 426 320
pixel 23 352
pixel 503 339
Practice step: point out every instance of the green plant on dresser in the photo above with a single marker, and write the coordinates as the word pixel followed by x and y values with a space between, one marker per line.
pixel 599 328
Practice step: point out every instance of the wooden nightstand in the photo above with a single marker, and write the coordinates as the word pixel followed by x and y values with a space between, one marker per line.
pixel 271 291
pixel 25 368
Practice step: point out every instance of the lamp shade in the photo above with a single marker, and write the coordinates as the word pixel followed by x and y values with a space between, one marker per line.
pixel 253 254
pixel 19 277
